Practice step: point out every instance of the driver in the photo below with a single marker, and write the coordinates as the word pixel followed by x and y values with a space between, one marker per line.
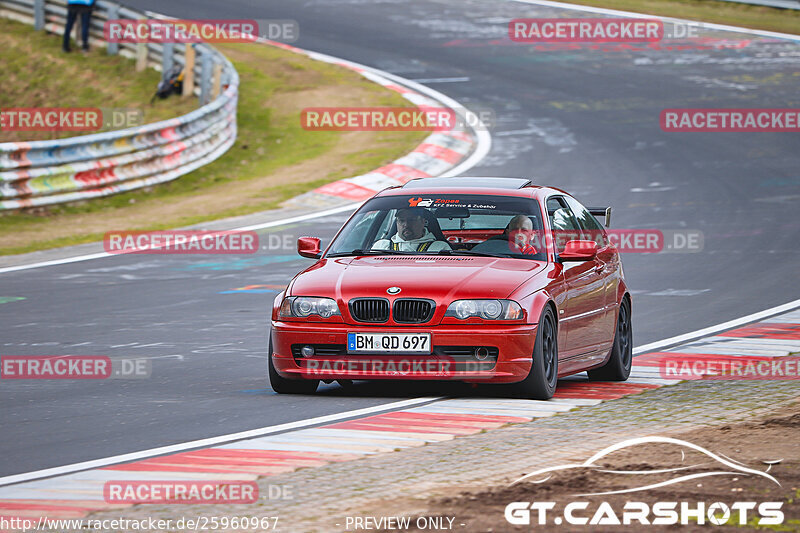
pixel 412 234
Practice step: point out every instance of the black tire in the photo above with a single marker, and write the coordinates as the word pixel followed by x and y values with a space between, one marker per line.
pixel 541 381
pixel 282 385
pixel 618 366
pixel 346 384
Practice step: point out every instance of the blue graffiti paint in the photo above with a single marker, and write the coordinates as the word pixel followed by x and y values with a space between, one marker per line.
pixel 239 263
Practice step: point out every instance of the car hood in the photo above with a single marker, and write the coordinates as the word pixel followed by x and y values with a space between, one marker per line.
pixel 440 279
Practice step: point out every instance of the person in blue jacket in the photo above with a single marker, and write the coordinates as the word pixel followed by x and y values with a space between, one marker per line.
pixel 75 8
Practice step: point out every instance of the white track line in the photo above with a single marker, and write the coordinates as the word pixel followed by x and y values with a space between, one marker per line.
pixel 213 441
pixel 254 227
pixel 631 14
pixel 64 261
pixel 711 330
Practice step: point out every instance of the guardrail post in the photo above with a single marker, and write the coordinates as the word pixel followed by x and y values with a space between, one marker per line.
pixel 38 14
pixel 167 60
pixel 205 78
pixel 141 56
pixel 188 70
pixel 113 14
pixel 216 83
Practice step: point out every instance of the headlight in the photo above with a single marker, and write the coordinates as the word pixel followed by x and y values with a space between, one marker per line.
pixel 486 309
pixel 303 306
pixel 463 308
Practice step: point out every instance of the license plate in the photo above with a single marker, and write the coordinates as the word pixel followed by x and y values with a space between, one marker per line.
pixel 389 342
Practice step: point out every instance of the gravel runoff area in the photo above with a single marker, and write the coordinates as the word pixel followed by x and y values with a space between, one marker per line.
pixel 467 479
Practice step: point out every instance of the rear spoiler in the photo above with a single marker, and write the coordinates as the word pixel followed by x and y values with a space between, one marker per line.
pixel 602 212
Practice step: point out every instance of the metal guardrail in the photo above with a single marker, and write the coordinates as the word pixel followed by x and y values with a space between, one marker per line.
pixel 783 4
pixel 42 173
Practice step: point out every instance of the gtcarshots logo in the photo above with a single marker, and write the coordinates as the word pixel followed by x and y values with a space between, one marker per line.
pixel 588 510
pixel 641 513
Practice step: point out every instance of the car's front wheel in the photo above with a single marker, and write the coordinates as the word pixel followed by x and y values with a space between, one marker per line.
pixel 282 385
pixel 618 366
pixel 541 381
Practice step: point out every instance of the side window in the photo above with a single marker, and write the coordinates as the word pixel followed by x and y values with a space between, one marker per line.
pixel 383 230
pixel 588 223
pixel 359 234
pixel 562 221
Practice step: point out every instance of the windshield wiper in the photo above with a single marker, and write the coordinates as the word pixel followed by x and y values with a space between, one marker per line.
pixel 371 251
pixel 470 252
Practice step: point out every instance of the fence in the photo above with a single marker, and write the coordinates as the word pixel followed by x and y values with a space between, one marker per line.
pixel 42 173
pixel 783 4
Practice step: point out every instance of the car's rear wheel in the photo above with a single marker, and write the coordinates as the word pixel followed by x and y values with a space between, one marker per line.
pixel 618 366
pixel 282 385
pixel 541 381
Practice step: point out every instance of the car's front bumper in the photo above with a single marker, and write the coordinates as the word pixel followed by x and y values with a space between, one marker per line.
pixel 452 358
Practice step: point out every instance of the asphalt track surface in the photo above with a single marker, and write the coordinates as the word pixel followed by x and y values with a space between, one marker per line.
pixel 585 120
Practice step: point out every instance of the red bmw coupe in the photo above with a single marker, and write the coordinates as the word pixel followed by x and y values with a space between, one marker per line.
pixel 484 280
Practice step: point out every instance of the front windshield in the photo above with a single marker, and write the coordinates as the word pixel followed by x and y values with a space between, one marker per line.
pixel 455 224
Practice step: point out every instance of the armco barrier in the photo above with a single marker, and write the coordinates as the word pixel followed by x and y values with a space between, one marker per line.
pixel 782 4
pixel 44 173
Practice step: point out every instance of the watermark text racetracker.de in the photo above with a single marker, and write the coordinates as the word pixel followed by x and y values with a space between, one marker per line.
pixel 86 119
pixel 730 120
pixel 180 492
pixel 654 240
pixel 422 118
pixel 647 241
pixel 408 368
pixel 681 366
pixel 600 30
pixel 604 30
pixel 68 367
pixel 181 242
pixel 134 31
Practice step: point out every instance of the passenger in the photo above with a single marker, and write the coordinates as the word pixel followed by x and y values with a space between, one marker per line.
pixel 519 223
pixel 412 234
pixel 518 237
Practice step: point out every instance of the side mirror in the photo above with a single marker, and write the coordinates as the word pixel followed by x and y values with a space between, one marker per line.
pixel 579 251
pixel 309 247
